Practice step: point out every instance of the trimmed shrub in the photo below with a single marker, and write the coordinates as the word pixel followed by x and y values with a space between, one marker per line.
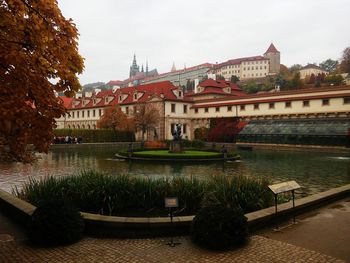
pixel 219 227
pixel 55 223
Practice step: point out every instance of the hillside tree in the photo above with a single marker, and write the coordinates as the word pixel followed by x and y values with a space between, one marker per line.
pixel 329 65
pixel 38 57
pixel 345 61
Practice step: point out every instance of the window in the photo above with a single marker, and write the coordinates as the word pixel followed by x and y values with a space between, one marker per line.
pixel 180 93
pixel 73 114
pixel 288 104
pixel 347 100
pixel 172 127
pixel 306 103
pixel 127 110
pixel 229 108
pixel 271 105
pixel 185 108
pixel 134 109
pixel 99 112
pixel 256 106
pixel 217 109
pixel 93 113
pixel 78 114
pixel 325 102
pixel 196 110
pixel 184 127
pixel 82 114
pixel 135 96
pixel 88 113
pixel 242 107
pixel 173 107
pixel 206 110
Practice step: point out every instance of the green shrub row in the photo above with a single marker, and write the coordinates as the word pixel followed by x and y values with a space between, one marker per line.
pixel 100 135
pixel 198 144
pixel 104 194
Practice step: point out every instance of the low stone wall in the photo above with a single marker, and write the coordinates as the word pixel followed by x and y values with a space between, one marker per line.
pixel 154 226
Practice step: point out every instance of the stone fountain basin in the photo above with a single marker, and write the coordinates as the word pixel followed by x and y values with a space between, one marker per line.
pixel 185 156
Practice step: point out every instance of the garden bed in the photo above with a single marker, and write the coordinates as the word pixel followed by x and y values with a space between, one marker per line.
pixel 120 195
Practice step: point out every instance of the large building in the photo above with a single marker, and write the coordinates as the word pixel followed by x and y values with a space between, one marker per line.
pixel 250 67
pixel 244 68
pixel 211 99
pixel 311 69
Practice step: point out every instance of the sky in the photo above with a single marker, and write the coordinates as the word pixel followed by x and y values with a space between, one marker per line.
pixel 192 32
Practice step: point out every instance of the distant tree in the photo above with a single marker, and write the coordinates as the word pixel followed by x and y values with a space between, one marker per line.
pixel 146 118
pixel 190 85
pixel 37 45
pixel 284 71
pixel 345 61
pixel 201 133
pixel 234 79
pixel 329 65
pixel 220 77
pixel 114 118
pixel 334 79
pixel 295 68
pixel 312 79
pixel 204 78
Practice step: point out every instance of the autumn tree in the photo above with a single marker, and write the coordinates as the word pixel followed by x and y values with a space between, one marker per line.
pixel 146 118
pixel 345 61
pixel 38 57
pixel 114 118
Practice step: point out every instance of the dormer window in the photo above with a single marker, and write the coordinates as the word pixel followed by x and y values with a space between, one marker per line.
pixel 120 98
pixel 106 100
pixel 180 94
pixel 135 96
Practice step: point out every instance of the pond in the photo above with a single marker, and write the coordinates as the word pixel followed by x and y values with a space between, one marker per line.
pixel 314 171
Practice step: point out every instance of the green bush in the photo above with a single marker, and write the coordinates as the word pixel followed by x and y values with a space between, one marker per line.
pixel 55 223
pixel 219 227
pixel 95 192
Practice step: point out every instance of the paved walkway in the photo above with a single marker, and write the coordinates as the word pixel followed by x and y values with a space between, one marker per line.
pixel 260 249
pixel 299 243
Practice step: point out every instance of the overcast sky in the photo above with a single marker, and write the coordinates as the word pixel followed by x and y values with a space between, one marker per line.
pixel 193 32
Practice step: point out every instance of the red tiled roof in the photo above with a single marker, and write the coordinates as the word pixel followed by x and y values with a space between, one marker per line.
pixel 271 49
pixel 163 90
pixel 66 101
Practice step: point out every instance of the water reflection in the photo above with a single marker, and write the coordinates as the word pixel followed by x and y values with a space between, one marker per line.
pixel 315 172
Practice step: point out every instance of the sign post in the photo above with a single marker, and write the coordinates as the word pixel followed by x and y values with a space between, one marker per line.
pixel 172 202
pixel 282 188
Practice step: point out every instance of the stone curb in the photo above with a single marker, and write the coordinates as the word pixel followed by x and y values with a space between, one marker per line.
pixel 154 226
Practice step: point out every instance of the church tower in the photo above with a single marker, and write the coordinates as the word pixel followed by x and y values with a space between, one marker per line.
pixel 274 56
pixel 134 69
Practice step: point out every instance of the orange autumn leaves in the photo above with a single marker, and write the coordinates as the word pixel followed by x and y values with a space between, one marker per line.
pixel 38 57
pixel 142 118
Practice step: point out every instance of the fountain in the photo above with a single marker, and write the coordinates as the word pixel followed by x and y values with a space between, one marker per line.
pixel 177 152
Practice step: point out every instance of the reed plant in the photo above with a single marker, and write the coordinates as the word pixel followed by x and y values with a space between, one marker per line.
pixel 100 193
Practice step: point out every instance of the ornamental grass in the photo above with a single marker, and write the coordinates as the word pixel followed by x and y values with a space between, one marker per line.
pixel 99 193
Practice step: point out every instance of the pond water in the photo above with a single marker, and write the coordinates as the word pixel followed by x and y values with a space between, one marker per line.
pixel 314 171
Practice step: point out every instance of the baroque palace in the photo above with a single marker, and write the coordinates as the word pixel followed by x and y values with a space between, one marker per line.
pixel 212 99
